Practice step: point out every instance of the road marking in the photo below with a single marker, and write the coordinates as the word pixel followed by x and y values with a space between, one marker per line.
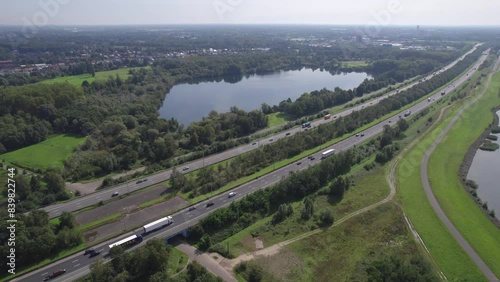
pixel 76 265
pixel 44 274
pixel 74 261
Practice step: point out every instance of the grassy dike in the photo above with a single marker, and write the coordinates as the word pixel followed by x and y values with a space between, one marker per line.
pixel 449 256
pixel 444 165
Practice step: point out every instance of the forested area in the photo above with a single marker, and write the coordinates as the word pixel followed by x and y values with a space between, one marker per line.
pixel 38 239
pixel 28 114
pixel 149 263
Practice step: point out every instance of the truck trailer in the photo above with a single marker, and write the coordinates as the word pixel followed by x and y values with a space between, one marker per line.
pixel 132 240
pixel 158 224
pixel 327 153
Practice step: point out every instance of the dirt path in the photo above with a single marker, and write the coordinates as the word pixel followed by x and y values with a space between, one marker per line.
pixel 432 199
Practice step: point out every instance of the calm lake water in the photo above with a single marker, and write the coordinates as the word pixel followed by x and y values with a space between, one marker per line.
pixel 484 171
pixel 191 102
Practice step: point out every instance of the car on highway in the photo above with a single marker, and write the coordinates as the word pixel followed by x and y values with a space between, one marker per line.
pixel 362 134
pixel 299 163
pixel 270 140
pixel 94 253
pixel 88 251
pixel 192 208
pixel 288 133
pixel 310 157
pixel 55 274
pixel 357 134
pixel 209 204
pixel 231 194
pixel 115 194
pixel 138 181
pixel 313 158
pixel 185 168
pixel 254 143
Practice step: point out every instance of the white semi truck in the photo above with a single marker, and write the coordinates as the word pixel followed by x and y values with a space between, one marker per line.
pixel 157 224
pixel 327 153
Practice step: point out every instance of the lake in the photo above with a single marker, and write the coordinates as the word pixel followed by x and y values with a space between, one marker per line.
pixel 483 171
pixel 190 102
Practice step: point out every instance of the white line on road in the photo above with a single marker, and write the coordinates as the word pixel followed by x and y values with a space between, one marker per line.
pixel 44 274
pixel 76 265
pixel 74 261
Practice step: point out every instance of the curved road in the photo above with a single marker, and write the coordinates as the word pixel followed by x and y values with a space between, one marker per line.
pixel 433 201
pixel 78 265
pixel 94 198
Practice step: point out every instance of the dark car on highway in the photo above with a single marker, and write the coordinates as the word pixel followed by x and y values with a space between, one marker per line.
pixel 94 253
pixel 88 251
pixel 209 204
pixel 192 208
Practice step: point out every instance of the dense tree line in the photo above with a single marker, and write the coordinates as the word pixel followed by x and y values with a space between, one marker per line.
pixel 222 127
pixel 148 263
pixel 34 191
pixel 37 239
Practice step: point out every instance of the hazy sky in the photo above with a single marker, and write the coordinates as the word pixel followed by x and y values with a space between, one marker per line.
pixel 384 12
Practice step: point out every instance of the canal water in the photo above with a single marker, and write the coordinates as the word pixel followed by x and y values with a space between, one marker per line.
pixel 485 171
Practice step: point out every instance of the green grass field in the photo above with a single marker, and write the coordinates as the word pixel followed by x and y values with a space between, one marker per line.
pixel 450 257
pixel 277 119
pixel 444 166
pixel 102 75
pixel 355 63
pixel 49 153
pixel 176 261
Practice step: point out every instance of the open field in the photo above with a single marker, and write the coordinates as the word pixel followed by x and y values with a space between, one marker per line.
pixel 450 257
pixel 277 119
pixel 444 166
pixel 370 187
pixel 340 253
pixel 102 75
pixel 49 153
pixel 355 63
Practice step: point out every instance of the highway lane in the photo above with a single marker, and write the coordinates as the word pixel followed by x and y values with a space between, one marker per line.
pixel 78 265
pixel 94 198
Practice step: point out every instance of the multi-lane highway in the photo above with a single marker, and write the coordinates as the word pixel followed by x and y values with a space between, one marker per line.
pixel 78 265
pixel 94 198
